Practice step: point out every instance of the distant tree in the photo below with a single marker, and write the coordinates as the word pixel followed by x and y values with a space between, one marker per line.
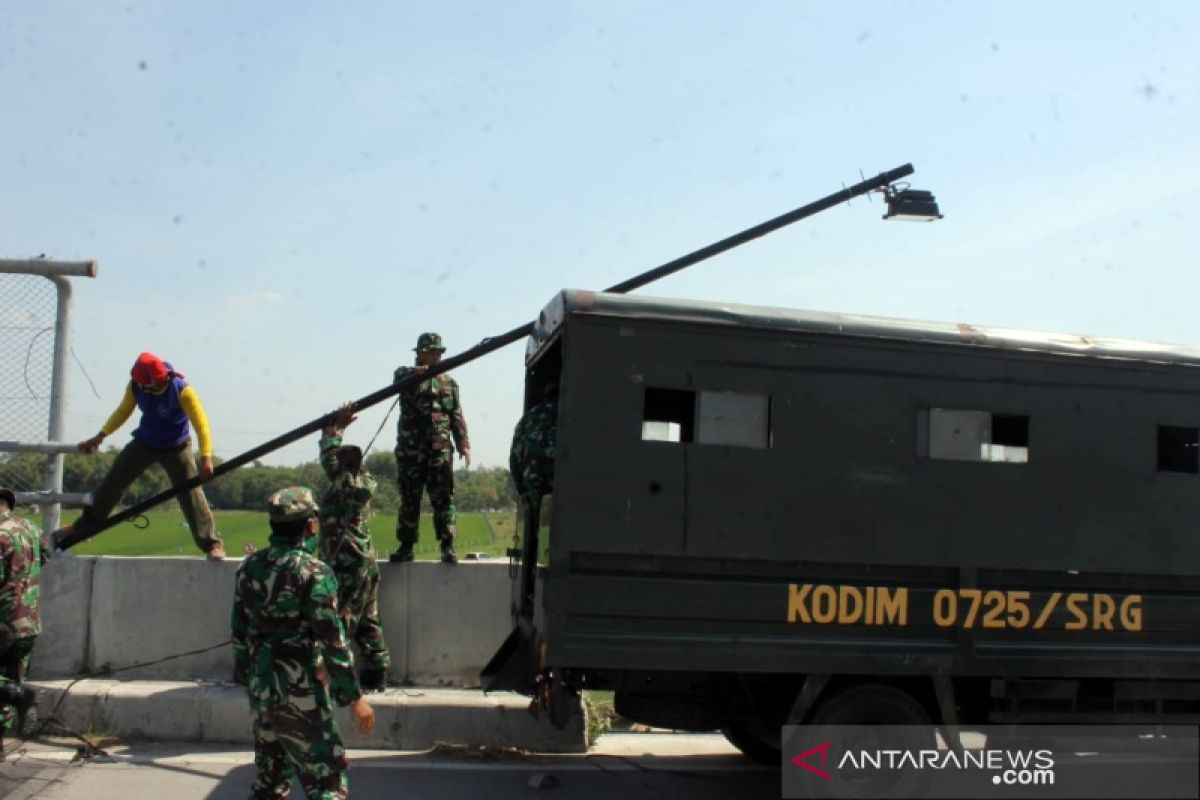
pixel 383 466
pixel 23 471
pixel 227 491
pixel 248 487
pixel 482 489
pixel 311 475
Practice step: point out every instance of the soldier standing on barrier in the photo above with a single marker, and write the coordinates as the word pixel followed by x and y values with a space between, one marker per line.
pixel 430 418
pixel 290 653
pixel 20 620
pixel 346 546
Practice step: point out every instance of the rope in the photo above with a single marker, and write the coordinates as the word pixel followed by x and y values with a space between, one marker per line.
pixel 89 748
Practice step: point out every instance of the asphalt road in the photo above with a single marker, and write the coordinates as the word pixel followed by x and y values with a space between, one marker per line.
pixel 626 766
pixel 696 767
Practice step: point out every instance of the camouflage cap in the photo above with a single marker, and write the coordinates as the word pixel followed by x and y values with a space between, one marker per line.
pixel 429 341
pixel 292 503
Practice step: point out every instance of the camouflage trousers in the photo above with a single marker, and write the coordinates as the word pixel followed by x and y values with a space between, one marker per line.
pixel 14 665
pixel 419 472
pixel 358 604
pixel 289 743
pixel 536 483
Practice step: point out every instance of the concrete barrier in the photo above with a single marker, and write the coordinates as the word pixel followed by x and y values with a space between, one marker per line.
pixel 124 616
pixel 457 618
pixel 66 599
pixel 161 627
pixel 146 610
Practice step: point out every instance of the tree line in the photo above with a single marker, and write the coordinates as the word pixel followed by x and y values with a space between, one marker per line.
pixel 248 488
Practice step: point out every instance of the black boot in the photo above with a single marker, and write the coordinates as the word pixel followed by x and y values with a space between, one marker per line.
pixel 448 554
pixel 20 698
pixel 405 553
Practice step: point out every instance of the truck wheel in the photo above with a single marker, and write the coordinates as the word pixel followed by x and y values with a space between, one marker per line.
pixel 754 739
pixel 871 705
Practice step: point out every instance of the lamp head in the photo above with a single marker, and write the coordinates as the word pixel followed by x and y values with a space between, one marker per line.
pixel 914 205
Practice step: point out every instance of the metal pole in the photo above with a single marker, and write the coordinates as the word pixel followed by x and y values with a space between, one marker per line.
pixel 496 342
pixel 52 512
pixel 829 201
pixel 55 498
pixel 48 267
pixel 39 447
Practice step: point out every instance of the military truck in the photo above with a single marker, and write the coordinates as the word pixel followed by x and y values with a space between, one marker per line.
pixel 764 516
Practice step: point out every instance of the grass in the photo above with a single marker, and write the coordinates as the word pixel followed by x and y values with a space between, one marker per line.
pixel 166 534
pixel 599 713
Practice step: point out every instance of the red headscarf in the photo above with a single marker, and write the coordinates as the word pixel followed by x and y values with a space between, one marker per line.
pixel 149 369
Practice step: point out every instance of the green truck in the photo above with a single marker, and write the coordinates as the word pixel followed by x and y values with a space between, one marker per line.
pixel 765 516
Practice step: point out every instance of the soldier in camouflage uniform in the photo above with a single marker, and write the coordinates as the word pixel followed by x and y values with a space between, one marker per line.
pixel 346 546
pixel 20 621
pixel 430 417
pixel 531 457
pixel 291 654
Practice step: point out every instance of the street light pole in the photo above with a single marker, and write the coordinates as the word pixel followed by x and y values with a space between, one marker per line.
pixel 70 538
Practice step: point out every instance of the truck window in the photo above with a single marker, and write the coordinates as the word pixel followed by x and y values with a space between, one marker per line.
pixel 956 434
pixel 668 415
pixel 734 419
pixel 1178 449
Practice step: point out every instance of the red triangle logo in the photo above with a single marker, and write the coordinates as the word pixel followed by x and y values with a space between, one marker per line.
pixel 802 759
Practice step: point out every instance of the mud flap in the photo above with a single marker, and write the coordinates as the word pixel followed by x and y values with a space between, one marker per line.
pixel 514 667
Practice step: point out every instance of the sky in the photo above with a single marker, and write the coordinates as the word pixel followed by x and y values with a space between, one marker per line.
pixel 282 196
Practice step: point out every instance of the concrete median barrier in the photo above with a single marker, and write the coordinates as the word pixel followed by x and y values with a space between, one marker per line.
pixel 168 619
pixel 66 605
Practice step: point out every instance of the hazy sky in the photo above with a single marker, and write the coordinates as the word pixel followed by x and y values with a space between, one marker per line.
pixel 281 196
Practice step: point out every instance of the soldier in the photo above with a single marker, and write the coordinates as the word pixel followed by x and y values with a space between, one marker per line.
pixel 290 653
pixel 531 457
pixel 20 619
pixel 170 410
pixel 346 546
pixel 430 417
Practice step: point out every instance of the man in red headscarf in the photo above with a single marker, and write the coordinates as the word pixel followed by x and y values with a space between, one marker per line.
pixel 170 410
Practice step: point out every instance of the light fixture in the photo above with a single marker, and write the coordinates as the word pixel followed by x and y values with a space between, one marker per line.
pixel 914 205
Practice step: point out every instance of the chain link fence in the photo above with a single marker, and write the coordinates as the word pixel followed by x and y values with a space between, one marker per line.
pixel 35 324
pixel 27 342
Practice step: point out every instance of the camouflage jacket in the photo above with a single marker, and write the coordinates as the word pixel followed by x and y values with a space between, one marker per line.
pixel 531 457
pixel 430 415
pixel 289 646
pixel 345 509
pixel 20 577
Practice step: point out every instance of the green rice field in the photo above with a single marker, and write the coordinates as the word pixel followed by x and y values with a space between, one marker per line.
pixel 166 534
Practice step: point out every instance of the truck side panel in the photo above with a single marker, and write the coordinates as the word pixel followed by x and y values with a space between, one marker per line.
pixel 684 555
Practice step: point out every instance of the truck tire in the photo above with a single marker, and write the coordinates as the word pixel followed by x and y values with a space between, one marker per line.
pixel 755 708
pixel 873 704
pixel 870 704
pixel 754 740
